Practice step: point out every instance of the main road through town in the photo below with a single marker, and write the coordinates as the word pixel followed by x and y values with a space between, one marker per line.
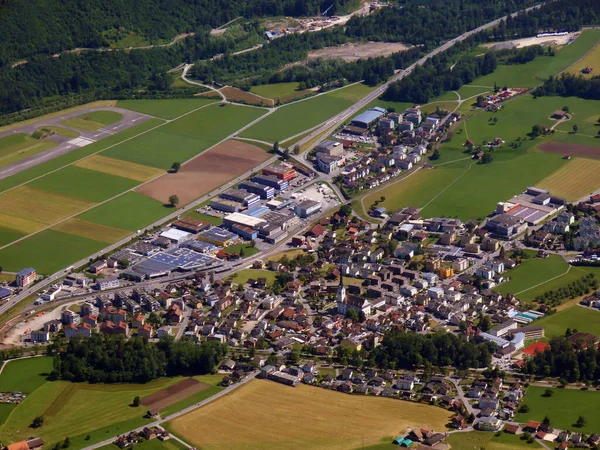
pixel 329 124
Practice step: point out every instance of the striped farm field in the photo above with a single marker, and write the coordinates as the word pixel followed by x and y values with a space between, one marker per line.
pixel 120 168
pixel 37 205
pixel 92 230
pixel 574 180
pixel 20 224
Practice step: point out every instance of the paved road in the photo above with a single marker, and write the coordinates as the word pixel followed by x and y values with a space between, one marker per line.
pixel 225 391
pixel 130 119
pixel 462 396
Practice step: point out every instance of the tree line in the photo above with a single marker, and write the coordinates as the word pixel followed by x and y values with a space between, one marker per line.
pixel 566 361
pixel 114 359
pixel 583 286
pixel 568 85
pixel 402 350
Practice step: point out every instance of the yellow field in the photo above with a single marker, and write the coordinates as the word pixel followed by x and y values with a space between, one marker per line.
pixel 266 415
pixel 40 206
pixel 120 168
pixel 17 223
pixel 575 179
pixel 92 230
pixel 592 60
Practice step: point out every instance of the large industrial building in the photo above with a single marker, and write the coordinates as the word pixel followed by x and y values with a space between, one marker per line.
pixel 240 195
pixel 265 192
pixel 282 171
pixel 229 206
pixel 271 180
pixel 330 148
pixel 218 236
pixel 307 207
pixel 368 118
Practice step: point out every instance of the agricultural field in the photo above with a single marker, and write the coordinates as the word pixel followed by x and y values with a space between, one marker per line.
pixel 585 320
pixel 319 418
pixel 489 441
pixel 130 211
pixel 277 90
pixel 186 137
pixel 532 272
pixel 16 147
pixel 574 274
pixel 432 107
pixel 91 230
pixel 574 180
pixel 294 118
pixel 92 121
pixel 165 109
pixel 591 60
pixel 153 444
pixel 120 168
pixel 238 95
pixel 563 408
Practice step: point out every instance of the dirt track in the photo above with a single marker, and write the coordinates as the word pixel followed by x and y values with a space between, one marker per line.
pixel 560 148
pixel 205 172
pixel 354 51
pixel 173 394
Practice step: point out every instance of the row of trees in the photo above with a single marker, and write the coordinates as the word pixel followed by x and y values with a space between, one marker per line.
pixel 566 361
pixel 583 286
pixel 401 350
pixel 568 85
pixel 114 359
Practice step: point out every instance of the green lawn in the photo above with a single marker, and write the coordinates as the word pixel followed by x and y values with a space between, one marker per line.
pixel 242 276
pixel 186 137
pixel 165 109
pixel 18 146
pixel 25 375
pixel 574 274
pixel 94 120
pixel 563 408
pixel 130 211
pixel 66 132
pixel 42 169
pixel 532 272
pixel 48 251
pixel 586 320
pixel 353 93
pixel 294 118
pixel 275 90
pixel 89 185
pixel 248 249
pixel 476 440
pixel 8 235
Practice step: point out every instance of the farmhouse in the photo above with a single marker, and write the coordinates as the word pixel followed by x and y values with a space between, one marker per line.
pixel 559 114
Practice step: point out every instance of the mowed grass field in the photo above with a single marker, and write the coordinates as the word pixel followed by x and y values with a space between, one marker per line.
pixel 80 409
pixel 185 137
pixel 476 440
pixel 532 272
pixel 91 230
pixel 574 180
pixel 297 117
pixel 120 168
pixel 165 109
pixel 574 274
pixel 276 90
pixel 591 60
pixel 94 120
pixel 299 418
pixel 242 276
pixel 563 408
pixel 586 320
pixel 19 146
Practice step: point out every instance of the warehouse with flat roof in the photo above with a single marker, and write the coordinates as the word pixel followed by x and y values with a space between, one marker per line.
pixel 307 207
pixel 282 171
pixel 368 118
pixel 265 192
pixel 242 219
pixel 242 196
pixel 271 180
pixel 218 236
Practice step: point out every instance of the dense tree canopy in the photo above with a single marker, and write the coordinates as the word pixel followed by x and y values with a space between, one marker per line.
pixel 114 359
pixel 568 85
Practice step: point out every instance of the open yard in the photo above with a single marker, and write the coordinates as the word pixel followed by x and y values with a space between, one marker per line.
pixel 574 180
pixel 16 147
pixel 311 418
pixel 563 408
pixel 120 168
pixel 186 137
pixel 205 172
pixel 244 275
pixel 476 440
pixel 532 272
pixel 94 120
pixel 165 109
pixel 586 320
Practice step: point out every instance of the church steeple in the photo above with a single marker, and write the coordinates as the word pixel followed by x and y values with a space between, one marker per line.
pixel 341 292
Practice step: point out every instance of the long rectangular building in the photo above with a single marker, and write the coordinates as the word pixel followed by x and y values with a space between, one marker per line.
pixel 281 171
pixel 265 192
pixel 242 219
pixel 271 180
pixel 242 196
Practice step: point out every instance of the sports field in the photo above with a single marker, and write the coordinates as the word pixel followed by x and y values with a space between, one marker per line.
pixel 296 117
pixel 586 320
pixel 94 120
pixel 165 109
pixel 574 180
pixel 563 408
pixel 311 418
pixel 186 137
pixel 91 230
pixel 120 168
pixel 477 440
pixel 532 272
pixel 19 146
pixel 591 60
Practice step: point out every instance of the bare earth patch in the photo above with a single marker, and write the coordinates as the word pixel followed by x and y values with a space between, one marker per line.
pixel 205 172
pixel 173 394
pixel 354 51
pixel 561 148
pixel 526 42
pixel 237 95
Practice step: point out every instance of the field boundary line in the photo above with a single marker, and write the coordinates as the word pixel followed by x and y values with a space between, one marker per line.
pixel 547 281
pixel 448 187
pixel 165 122
pixel 126 191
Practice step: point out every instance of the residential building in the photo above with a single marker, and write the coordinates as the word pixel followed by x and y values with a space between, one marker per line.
pixel 25 277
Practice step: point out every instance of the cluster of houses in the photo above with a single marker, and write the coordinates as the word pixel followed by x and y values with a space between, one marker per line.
pixel 148 433
pixel 492 102
pixel 564 439
pixel 12 397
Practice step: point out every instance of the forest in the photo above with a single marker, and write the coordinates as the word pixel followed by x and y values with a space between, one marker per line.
pixel 401 350
pixel 568 85
pixel 114 359
pixel 567 361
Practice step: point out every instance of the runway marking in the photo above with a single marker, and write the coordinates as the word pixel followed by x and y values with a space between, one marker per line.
pixel 81 141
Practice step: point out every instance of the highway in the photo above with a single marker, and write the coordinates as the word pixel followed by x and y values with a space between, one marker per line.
pixel 326 126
